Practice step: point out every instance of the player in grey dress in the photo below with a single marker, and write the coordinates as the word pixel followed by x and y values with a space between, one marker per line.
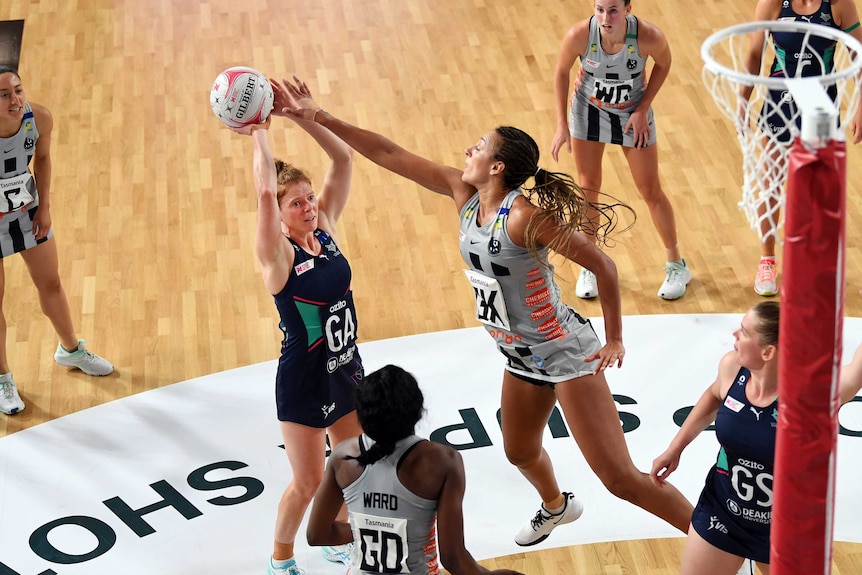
pixel 403 493
pixel 553 354
pixel 25 228
pixel 611 105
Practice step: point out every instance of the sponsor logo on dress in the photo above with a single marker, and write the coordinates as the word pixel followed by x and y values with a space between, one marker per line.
pixel 714 523
pixel 505 337
pixel 540 297
pixel 541 313
pixel 343 359
pixel 733 404
pixel 535 284
pixel 733 507
pixel 327 409
pixel 303 267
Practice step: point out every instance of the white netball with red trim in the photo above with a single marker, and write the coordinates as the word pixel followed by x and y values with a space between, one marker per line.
pixel 241 96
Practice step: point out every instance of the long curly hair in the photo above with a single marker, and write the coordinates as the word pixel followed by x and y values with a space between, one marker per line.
pixel 562 201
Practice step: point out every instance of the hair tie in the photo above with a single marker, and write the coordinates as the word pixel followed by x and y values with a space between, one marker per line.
pixel 538 169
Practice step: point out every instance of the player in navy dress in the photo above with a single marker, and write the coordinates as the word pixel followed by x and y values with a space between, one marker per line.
pixel 733 516
pixel 309 277
pixel 838 14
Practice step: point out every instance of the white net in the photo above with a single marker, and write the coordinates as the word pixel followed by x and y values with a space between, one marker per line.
pixel 761 107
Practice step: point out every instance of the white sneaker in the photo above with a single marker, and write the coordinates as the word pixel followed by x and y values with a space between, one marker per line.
pixel 338 553
pixel 677 276
pixel 83 359
pixel 539 527
pixel 766 280
pixel 586 287
pixel 10 401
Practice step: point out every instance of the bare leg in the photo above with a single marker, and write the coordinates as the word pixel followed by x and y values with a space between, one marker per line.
pixel 588 160
pixel 767 246
pixel 643 163
pixel 592 416
pixel 43 265
pixel 701 558
pixel 525 409
pixel 306 451
pixel 4 359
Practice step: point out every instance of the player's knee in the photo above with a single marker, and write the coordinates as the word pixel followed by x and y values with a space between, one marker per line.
pixel 621 484
pixel 305 487
pixel 522 456
pixel 652 194
pixel 49 286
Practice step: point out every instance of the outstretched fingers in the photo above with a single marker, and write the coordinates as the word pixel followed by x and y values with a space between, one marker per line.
pixel 302 105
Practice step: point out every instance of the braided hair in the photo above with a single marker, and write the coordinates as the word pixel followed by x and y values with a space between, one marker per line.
pixel 389 403
pixel 561 199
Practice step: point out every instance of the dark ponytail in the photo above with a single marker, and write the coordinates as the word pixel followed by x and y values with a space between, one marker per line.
pixel 389 403
pixel 561 199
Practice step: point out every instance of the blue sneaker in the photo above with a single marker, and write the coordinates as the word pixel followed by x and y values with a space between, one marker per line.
pixel 338 553
pixel 290 569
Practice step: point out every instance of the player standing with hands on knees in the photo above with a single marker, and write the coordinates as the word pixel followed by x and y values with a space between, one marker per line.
pixel 415 483
pixel 743 403
pixel 611 105
pixel 25 228
pixel 309 278
pixel 553 354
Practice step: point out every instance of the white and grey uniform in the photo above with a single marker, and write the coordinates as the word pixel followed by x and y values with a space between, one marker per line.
pixel 19 198
pixel 608 89
pixel 394 530
pixel 519 302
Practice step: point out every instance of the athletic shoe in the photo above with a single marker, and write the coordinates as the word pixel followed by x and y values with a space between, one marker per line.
pixel 586 287
pixel 291 569
pixel 677 276
pixel 338 553
pixel 10 401
pixel 540 526
pixel 83 359
pixel 766 281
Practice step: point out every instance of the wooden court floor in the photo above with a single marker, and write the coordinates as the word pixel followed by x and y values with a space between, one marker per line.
pixel 154 209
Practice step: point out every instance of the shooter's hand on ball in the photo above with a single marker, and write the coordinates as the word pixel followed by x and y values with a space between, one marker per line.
pixel 249 130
